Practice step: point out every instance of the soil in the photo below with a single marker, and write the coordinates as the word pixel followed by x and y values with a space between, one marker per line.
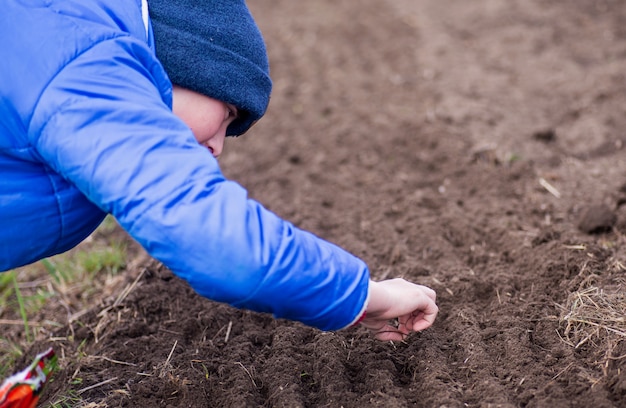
pixel 476 147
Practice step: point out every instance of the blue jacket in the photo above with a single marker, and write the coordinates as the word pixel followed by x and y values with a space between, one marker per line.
pixel 86 129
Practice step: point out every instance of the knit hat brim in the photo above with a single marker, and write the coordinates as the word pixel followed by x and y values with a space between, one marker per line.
pixel 224 59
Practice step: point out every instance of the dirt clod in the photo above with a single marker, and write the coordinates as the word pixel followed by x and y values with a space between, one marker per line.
pixel 597 218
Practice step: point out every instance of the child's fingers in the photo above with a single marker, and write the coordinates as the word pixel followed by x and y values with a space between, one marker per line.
pixel 390 333
pixel 425 317
pixel 429 292
pixel 421 324
pixel 421 318
pixel 413 305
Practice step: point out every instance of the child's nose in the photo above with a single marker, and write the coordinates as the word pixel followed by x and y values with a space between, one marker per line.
pixel 216 144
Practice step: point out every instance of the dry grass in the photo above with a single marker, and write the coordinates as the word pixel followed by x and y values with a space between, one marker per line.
pixel 58 292
pixel 593 313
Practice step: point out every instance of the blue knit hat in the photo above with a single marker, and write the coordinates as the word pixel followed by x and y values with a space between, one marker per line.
pixel 215 48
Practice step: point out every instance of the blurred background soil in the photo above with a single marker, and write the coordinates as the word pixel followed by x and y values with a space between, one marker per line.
pixel 474 147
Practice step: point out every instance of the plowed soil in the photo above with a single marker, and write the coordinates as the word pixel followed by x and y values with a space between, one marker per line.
pixel 476 147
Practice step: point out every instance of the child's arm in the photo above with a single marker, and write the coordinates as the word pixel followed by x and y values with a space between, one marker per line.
pixel 413 305
pixel 103 125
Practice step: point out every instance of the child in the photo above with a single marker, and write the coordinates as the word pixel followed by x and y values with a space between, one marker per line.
pixel 91 125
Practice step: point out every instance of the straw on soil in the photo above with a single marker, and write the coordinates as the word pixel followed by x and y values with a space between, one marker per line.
pixel 592 312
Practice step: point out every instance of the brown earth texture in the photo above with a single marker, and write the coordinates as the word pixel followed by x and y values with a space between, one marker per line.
pixel 476 147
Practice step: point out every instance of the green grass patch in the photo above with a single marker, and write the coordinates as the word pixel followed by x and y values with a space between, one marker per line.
pixel 45 293
pixel 10 352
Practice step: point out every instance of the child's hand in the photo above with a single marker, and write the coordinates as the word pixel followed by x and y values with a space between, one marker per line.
pixel 413 305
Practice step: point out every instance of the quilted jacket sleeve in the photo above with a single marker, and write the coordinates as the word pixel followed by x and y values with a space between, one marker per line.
pixel 103 125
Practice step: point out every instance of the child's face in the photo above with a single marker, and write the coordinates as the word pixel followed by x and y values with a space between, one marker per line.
pixel 207 118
